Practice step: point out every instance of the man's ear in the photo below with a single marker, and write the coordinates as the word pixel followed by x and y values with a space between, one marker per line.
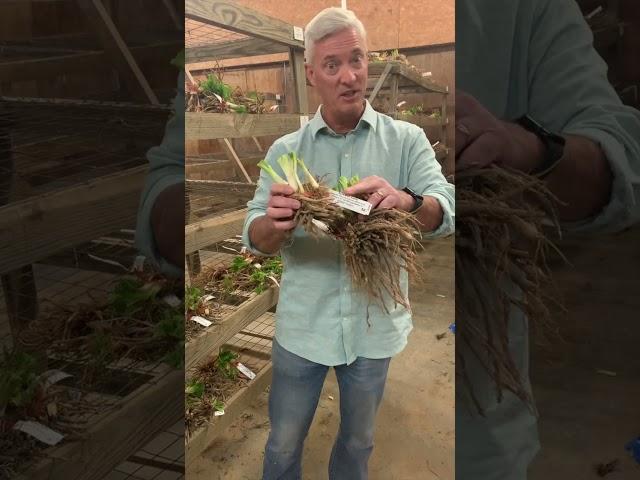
pixel 310 72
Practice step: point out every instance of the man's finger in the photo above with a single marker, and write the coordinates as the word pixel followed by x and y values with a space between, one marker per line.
pixel 390 201
pixel 376 198
pixel 281 189
pixel 480 153
pixel 283 202
pixel 366 185
pixel 279 213
pixel 284 225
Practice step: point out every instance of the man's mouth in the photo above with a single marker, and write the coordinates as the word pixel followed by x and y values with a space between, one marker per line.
pixel 349 94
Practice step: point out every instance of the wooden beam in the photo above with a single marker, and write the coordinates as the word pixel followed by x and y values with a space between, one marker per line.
pixel 213 230
pixel 410 75
pixel 235 406
pixel 237 18
pixel 211 126
pixel 299 80
pixel 200 348
pixel 151 408
pixel 233 156
pixel 116 47
pixel 423 121
pixel 40 68
pixel 35 228
pixel 249 47
pixel 381 80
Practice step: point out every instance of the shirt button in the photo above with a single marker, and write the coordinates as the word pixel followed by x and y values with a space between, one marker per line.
pixel 346 155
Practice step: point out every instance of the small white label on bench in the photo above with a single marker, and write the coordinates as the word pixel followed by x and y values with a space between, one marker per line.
pixel 39 431
pixel 351 203
pixel 298 33
pixel 218 413
pixel 245 371
pixel 171 300
pixel 54 376
pixel 202 321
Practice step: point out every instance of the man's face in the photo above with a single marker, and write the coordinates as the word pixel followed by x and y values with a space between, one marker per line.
pixel 339 72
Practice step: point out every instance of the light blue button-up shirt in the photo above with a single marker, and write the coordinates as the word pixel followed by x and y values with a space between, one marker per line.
pixel 320 316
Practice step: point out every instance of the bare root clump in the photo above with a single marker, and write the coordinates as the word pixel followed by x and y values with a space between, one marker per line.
pixel 501 249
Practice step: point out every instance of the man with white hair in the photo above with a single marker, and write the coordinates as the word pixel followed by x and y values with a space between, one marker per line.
pixel 321 322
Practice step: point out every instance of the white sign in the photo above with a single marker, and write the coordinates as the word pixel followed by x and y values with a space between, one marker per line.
pixel 351 203
pixel 39 431
pixel 245 371
pixel 202 321
pixel 298 33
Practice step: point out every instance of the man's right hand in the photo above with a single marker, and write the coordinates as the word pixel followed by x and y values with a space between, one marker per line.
pixel 281 208
pixel 269 232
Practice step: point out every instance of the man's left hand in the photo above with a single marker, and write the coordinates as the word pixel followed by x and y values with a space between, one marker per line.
pixel 380 194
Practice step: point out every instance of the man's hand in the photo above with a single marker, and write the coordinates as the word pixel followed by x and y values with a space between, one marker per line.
pixel 483 139
pixel 167 223
pixel 280 208
pixel 380 194
pixel 269 232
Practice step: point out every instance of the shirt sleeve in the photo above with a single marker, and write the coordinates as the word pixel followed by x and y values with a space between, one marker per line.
pixel 257 206
pixel 569 92
pixel 166 168
pixel 425 177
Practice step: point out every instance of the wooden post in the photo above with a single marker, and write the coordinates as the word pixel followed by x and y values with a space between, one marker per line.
pixel 231 154
pixel 394 94
pixel 296 60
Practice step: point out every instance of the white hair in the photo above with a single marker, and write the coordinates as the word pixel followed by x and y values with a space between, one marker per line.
pixel 329 21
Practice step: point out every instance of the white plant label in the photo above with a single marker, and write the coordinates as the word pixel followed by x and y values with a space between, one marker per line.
pixel 298 33
pixel 351 203
pixel 245 371
pixel 171 300
pixel 39 431
pixel 54 376
pixel 218 413
pixel 202 321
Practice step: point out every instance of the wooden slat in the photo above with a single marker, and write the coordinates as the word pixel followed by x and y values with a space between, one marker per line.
pixel 376 69
pixel 153 407
pixel 200 348
pixel 249 47
pixel 35 228
pixel 380 82
pixel 237 18
pixel 115 46
pixel 233 156
pixel 209 126
pixel 299 80
pixel 35 69
pixel 422 121
pixel 236 405
pixel 213 230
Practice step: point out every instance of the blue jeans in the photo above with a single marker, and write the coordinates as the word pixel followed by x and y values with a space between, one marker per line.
pixel 293 399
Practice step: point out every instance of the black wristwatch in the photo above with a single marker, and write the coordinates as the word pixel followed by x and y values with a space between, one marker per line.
pixel 553 143
pixel 418 199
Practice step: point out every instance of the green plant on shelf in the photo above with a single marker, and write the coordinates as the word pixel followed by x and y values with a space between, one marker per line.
pixel 225 364
pixel 192 298
pixel 18 379
pixel 193 391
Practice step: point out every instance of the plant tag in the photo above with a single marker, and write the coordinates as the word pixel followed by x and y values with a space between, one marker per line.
pixel 171 300
pixel 54 376
pixel 218 413
pixel 39 431
pixel 202 321
pixel 351 203
pixel 245 371
pixel 298 33
pixel 206 298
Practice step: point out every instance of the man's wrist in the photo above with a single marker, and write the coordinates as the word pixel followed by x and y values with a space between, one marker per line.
pixel 407 202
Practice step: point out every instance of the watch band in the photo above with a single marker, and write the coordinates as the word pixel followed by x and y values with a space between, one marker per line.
pixel 418 199
pixel 553 143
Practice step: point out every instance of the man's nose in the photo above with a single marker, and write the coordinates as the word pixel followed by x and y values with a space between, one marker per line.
pixel 347 75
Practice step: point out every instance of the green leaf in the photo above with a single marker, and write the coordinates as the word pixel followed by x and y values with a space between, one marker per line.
pixel 194 388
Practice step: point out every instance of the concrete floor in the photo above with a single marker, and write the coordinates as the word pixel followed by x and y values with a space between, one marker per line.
pixel 415 434
pixel 587 385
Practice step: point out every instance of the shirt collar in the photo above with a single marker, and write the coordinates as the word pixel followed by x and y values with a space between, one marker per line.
pixel 369 116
